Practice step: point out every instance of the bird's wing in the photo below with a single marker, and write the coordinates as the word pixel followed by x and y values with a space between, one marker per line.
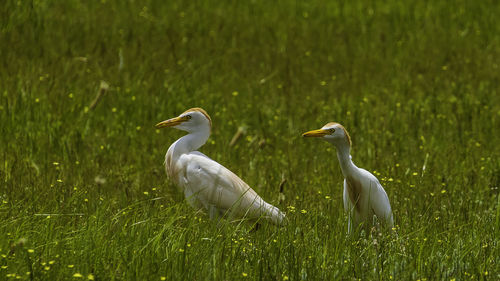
pixel 381 206
pixel 214 185
pixel 379 201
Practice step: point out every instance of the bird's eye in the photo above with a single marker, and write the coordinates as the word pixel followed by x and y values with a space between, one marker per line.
pixel 188 117
pixel 332 130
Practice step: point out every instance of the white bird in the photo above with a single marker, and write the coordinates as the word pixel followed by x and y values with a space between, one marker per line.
pixel 207 184
pixel 364 196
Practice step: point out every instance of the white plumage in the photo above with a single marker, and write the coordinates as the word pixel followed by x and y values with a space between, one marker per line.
pixel 364 196
pixel 207 184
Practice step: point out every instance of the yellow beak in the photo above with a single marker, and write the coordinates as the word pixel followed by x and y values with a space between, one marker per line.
pixel 316 133
pixel 171 122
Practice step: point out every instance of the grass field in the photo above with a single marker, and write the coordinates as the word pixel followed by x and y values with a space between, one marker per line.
pixel 84 195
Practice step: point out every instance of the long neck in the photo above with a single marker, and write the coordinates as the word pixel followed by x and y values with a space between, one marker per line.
pixel 344 156
pixel 188 143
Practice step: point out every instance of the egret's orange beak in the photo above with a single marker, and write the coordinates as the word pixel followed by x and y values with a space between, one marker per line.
pixel 172 122
pixel 316 133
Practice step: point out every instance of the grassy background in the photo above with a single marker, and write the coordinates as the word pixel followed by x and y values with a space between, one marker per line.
pixel 83 192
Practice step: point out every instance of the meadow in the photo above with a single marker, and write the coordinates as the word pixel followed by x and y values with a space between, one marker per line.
pixel 83 191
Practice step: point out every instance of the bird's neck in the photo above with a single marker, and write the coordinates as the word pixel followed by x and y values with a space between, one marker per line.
pixel 345 161
pixel 188 143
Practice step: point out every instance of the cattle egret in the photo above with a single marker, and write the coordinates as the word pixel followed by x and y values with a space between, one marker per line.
pixel 207 184
pixel 364 196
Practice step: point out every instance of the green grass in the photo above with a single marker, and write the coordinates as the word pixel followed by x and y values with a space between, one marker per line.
pixel 84 191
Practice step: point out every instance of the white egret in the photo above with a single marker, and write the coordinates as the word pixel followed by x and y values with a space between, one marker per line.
pixel 207 184
pixel 364 196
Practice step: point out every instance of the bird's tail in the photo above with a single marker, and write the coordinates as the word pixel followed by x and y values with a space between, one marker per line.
pixel 274 214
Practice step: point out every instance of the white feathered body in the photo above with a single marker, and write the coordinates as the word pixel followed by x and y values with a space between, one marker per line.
pixel 365 197
pixel 209 185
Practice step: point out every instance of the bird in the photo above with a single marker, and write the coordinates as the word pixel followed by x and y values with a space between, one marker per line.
pixel 207 184
pixel 363 195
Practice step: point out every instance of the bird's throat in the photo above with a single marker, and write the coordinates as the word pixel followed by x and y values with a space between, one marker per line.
pixel 189 142
pixel 344 156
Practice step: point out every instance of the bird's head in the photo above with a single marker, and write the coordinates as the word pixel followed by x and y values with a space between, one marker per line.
pixel 191 120
pixel 331 132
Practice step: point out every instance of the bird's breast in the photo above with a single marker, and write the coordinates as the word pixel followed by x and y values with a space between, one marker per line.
pixel 354 191
pixel 174 170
